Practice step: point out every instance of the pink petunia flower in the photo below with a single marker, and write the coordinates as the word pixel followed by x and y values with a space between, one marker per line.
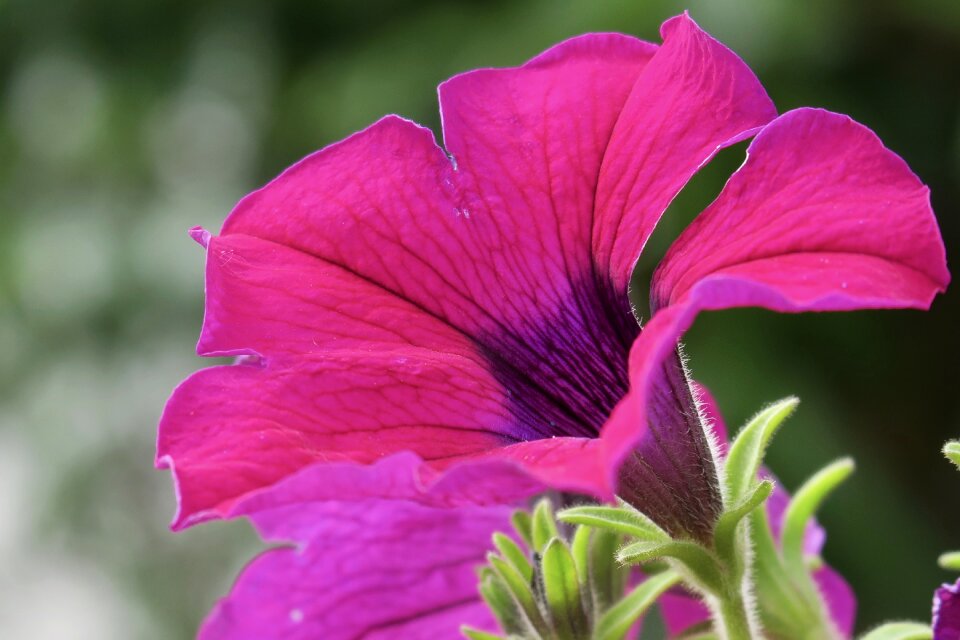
pixel 469 304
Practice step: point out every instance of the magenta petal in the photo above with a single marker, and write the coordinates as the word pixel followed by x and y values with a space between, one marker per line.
pixel 275 301
pixel 228 431
pixel 372 569
pixel 693 98
pixel 946 612
pixel 681 611
pixel 232 429
pixel 820 217
pixel 839 597
pixel 528 144
pixel 813 538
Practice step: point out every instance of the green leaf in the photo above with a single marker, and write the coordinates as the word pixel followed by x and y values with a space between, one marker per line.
pixel 804 505
pixel 513 554
pixel 544 526
pixel 476 634
pixel 616 622
pixel 950 561
pixel 617 519
pixel 501 603
pixel 697 560
pixel 952 451
pixel 607 578
pixel 523 526
pixel 580 548
pixel 519 590
pixel 562 588
pixel 900 631
pixel 725 531
pixel 749 447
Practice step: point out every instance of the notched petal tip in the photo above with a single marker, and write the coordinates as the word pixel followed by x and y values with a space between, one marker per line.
pixel 201 236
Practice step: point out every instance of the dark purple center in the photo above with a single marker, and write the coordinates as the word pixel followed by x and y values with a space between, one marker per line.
pixel 565 376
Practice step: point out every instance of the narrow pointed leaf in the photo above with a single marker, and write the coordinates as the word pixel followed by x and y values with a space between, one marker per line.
pixel 900 631
pixel 617 621
pixel 476 634
pixel 804 505
pixel 519 589
pixel 952 451
pixel 543 526
pixel 607 578
pixel 750 445
pixel 950 561
pixel 502 604
pixel 697 560
pixel 563 591
pixel 725 532
pixel 513 554
pixel 523 525
pixel 626 521
pixel 580 548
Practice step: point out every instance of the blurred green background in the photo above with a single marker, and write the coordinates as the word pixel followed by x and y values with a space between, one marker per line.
pixel 123 124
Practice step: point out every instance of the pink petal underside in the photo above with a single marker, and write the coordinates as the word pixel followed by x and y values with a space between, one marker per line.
pixel 694 98
pixel 820 217
pixel 681 611
pixel 839 597
pixel 359 571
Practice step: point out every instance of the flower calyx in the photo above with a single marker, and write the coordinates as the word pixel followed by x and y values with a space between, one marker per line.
pixel 541 585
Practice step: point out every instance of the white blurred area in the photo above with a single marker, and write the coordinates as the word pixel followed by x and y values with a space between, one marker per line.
pixel 98 321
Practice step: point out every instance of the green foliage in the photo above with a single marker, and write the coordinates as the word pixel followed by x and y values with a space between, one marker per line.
pixel 952 451
pixel 950 561
pixel 749 447
pixel 900 631
pixel 617 621
pixel 624 520
pixel 804 505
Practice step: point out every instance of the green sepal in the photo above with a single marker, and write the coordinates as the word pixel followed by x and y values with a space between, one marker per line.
pixel 695 558
pixel 607 579
pixel 476 634
pixel 627 521
pixel 501 603
pixel 950 561
pixel 900 631
pixel 748 448
pixel 952 451
pixel 563 591
pixel 804 505
pixel 725 531
pixel 519 590
pixel 512 553
pixel 523 525
pixel 616 622
pixel 544 526
pixel 580 548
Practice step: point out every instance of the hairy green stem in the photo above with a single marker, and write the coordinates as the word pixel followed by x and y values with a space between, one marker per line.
pixel 734 619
